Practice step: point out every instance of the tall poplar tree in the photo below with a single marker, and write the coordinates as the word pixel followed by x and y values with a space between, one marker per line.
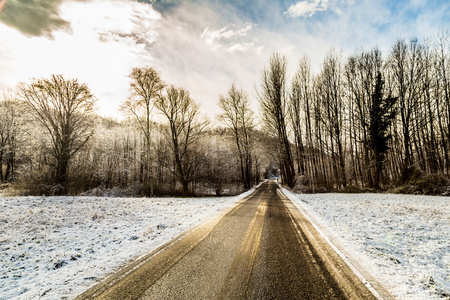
pixel 273 100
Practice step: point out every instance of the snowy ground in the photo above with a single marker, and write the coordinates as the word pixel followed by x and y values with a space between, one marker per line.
pixel 57 247
pixel 402 240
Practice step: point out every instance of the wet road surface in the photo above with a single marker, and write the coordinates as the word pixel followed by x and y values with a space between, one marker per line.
pixel 262 248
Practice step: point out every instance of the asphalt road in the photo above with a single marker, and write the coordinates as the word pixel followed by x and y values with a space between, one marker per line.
pixel 262 248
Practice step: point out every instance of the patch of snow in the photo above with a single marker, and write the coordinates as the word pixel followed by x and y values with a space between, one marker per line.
pixel 58 247
pixel 403 241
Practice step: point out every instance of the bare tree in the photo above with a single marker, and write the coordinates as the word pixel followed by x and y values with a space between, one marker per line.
pixel 184 130
pixel 218 169
pixel 442 91
pixel 11 109
pixel 301 115
pixel 237 115
pixel 405 63
pixel 299 93
pixel 146 87
pixel 333 108
pixel 273 100
pixel 64 108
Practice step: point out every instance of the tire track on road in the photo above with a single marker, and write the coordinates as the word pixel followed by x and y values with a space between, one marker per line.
pixel 239 275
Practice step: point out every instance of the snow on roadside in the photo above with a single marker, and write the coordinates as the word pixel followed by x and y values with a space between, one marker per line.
pixel 401 240
pixel 57 247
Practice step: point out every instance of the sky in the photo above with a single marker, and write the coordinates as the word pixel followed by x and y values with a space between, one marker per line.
pixel 201 45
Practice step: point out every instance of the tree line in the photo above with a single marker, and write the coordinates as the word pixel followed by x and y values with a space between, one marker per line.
pixel 365 121
pixel 53 142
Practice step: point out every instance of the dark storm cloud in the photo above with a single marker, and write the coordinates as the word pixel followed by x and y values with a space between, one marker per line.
pixel 33 17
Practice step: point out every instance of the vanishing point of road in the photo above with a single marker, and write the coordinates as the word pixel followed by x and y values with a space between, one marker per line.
pixel 260 248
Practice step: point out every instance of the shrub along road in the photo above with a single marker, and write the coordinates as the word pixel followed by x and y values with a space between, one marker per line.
pixel 261 248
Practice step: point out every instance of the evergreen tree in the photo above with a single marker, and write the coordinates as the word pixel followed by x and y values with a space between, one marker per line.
pixel 382 113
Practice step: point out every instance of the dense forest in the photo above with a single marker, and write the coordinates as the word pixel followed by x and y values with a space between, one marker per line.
pixel 370 121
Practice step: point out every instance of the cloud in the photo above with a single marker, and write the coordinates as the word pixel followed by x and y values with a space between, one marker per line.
pixel 121 21
pixel 33 17
pixel 306 8
pixel 244 47
pixel 210 36
pixel 214 37
pixel 230 39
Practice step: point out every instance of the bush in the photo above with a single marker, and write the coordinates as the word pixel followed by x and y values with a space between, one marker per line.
pixel 412 174
pixel 303 185
pixel 355 189
pixel 433 184
pixel 34 183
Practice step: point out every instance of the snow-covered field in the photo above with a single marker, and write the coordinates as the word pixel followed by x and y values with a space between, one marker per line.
pixel 57 247
pixel 403 241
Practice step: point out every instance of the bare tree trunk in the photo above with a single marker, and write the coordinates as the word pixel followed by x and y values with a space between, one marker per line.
pixel 274 110
pixel 237 115
pixel 185 130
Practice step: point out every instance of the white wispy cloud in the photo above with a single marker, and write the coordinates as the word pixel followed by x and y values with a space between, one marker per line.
pixel 244 47
pixel 309 8
pixel 211 36
pixel 230 39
